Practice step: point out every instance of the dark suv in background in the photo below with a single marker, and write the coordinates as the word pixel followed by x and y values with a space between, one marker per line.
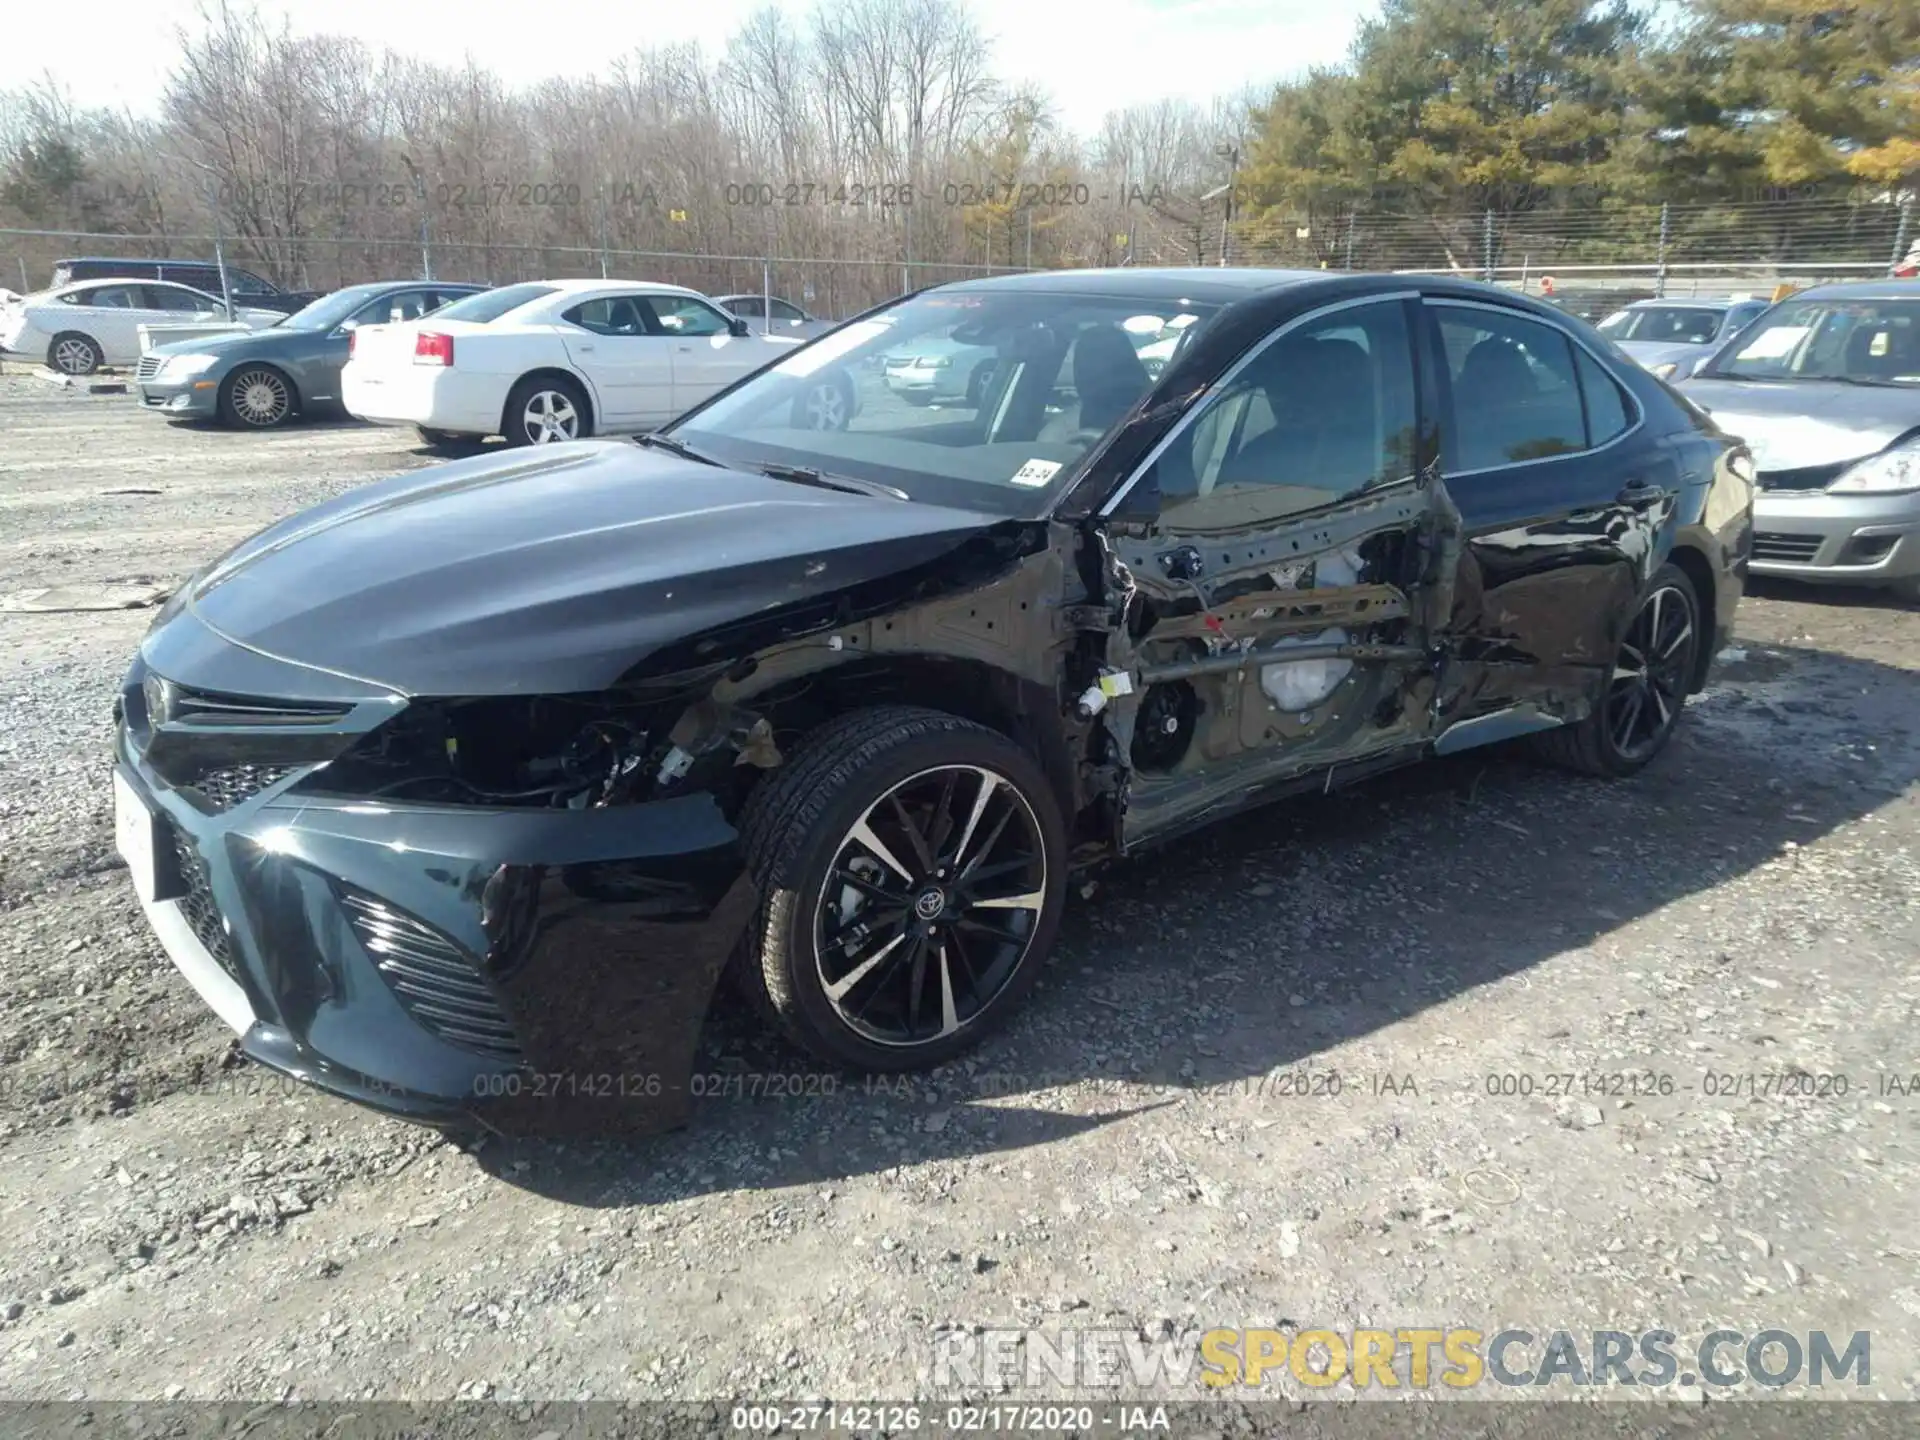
pixel 247 288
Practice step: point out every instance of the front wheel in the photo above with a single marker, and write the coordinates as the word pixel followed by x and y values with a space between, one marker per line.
pixel 545 410
pixel 1646 690
pixel 912 868
pixel 256 397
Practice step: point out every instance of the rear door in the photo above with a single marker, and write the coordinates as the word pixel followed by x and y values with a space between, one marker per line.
pixel 1290 572
pixel 614 341
pixel 1561 493
pixel 112 314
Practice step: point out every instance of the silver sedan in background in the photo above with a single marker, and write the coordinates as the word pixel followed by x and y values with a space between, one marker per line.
pixel 1672 338
pixel 1825 390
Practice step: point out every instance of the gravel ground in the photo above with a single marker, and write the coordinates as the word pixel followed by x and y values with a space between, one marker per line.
pixel 1129 1153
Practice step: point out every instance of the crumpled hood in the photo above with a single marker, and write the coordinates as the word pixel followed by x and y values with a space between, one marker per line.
pixel 1792 425
pixel 549 570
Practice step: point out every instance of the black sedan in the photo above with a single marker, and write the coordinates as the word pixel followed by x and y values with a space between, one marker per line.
pixel 458 794
pixel 265 377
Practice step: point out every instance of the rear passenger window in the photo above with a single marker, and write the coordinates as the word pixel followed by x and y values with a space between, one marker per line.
pixel 1323 413
pixel 616 315
pixel 1515 394
pixel 1607 414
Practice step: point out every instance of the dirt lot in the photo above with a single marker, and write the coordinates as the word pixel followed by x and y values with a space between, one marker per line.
pixel 1132 1152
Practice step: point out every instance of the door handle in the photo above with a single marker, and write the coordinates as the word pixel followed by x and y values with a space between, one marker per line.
pixel 1640 491
pixel 586 349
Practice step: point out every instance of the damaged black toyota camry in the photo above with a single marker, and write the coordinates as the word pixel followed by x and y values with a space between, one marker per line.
pixel 460 794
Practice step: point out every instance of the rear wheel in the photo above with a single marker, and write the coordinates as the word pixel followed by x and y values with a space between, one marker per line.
pixel 256 397
pixel 72 353
pixel 826 405
pixel 545 410
pixel 1647 690
pixel 913 870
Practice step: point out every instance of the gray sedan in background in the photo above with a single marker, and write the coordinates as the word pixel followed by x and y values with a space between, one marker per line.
pixel 1825 390
pixel 1672 338
pixel 770 315
pixel 263 379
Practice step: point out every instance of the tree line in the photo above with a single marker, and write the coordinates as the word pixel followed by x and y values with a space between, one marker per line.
pixel 875 134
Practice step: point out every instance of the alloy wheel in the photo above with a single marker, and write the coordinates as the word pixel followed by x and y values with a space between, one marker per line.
pixel 1651 673
pixel 261 397
pixel 550 416
pixel 74 356
pixel 930 904
pixel 825 408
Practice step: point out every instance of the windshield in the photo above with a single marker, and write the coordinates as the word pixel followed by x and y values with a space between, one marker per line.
pixel 329 310
pixel 490 305
pixel 979 399
pixel 1664 325
pixel 1871 342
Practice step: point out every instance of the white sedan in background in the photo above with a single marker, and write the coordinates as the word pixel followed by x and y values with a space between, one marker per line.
pixel 78 328
pixel 552 360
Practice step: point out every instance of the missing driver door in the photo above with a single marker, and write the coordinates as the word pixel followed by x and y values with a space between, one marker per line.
pixel 1289 571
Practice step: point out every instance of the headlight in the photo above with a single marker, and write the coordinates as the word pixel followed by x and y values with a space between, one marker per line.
pixel 932 362
pixel 1889 471
pixel 178 367
pixel 1664 370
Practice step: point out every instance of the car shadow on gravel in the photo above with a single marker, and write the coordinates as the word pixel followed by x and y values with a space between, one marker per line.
pixel 1251 950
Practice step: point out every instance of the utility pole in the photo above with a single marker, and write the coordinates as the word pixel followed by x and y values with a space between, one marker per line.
pixel 1900 235
pixel 1666 231
pixel 1232 154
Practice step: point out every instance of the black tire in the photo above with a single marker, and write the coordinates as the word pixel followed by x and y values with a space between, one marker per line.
pixel 1906 591
pixel 519 426
pixel 801 821
pixel 257 397
pixel 1609 743
pixel 71 353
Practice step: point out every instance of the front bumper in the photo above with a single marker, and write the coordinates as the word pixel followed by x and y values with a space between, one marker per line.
pixel 530 971
pixel 196 398
pixel 1846 539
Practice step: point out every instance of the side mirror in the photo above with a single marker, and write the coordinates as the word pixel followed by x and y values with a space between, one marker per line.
pixel 738 327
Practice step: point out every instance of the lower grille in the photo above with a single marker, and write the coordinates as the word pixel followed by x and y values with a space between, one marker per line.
pixel 432 977
pixel 1793 549
pixel 232 785
pixel 203 916
pixel 148 367
pixel 1811 477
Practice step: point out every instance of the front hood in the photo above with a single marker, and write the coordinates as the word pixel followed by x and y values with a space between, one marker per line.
pixel 551 570
pixel 1658 352
pixel 1793 425
pixel 229 345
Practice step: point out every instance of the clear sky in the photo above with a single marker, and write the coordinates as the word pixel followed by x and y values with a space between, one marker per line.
pixel 1090 55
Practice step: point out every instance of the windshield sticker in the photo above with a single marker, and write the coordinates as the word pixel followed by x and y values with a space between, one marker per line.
pixel 830 348
pixel 1036 472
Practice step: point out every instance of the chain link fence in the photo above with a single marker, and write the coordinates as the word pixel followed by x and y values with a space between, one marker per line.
pixel 1667 249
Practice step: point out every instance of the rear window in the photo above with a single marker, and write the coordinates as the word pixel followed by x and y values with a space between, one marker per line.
pixel 490 305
